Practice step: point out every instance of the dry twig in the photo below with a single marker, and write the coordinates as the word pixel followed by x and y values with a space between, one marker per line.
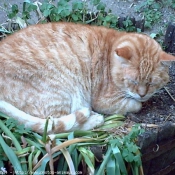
pixel 169 94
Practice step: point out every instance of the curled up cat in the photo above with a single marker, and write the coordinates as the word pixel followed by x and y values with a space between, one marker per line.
pixel 75 73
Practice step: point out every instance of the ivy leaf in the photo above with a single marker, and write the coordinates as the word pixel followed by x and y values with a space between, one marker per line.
pixel 101 6
pixel 59 9
pixel 77 6
pixel 137 160
pixel 46 13
pixel 128 156
pixel 65 13
pixel 107 18
pixel 95 2
pixel 15 8
pixel 31 7
pixel 75 17
pixel 153 35
pixel 11 123
pixel 22 130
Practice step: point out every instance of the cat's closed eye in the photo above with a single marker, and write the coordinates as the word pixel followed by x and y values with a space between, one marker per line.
pixel 151 84
pixel 134 82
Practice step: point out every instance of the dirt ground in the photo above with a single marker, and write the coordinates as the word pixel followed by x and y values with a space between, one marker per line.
pixel 161 107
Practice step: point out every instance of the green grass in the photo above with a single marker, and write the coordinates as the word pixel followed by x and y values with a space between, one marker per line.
pixel 29 152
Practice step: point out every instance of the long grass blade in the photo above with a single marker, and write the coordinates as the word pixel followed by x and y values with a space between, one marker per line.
pixel 44 138
pixel 36 157
pixel 30 163
pixel 88 158
pixel 116 117
pixel 15 142
pixel 11 156
pixel 119 159
pixel 111 167
pixel 103 164
pixel 69 160
pixel 42 167
pixel 37 145
pixel 48 149
pixel 111 124
pixel 58 147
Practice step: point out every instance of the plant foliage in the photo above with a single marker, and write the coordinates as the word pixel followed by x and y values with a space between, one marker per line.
pixel 28 152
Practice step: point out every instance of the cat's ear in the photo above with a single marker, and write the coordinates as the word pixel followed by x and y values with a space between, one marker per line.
pixel 124 52
pixel 166 57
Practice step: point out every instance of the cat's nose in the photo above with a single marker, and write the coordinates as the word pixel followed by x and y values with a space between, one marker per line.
pixel 142 95
pixel 142 91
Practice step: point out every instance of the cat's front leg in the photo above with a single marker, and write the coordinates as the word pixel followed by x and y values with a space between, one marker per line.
pixel 111 106
pixel 93 121
pixel 131 105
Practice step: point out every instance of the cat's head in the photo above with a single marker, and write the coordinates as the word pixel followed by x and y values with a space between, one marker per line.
pixel 137 67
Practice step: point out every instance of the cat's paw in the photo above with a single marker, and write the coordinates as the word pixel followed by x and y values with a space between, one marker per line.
pixel 85 111
pixel 93 122
pixel 82 115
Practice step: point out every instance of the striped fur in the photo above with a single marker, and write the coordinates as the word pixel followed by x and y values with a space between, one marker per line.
pixel 72 73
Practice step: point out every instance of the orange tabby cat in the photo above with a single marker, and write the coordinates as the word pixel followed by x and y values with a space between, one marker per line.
pixel 72 73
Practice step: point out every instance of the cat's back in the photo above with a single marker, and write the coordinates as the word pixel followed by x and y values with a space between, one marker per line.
pixel 42 46
pixel 45 61
pixel 43 36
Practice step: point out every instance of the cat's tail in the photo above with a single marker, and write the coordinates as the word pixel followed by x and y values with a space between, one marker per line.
pixel 82 119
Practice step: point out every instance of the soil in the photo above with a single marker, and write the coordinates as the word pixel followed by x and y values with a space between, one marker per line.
pixel 161 107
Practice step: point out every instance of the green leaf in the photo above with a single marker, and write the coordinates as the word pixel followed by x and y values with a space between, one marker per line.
pixel 57 18
pixel 11 15
pixel 65 13
pixel 25 15
pixel 114 124
pixel 11 123
pixel 74 155
pixel 119 159
pixel 36 144
pixel 88 158
pixel 153 35
pixel 101 6
pixel 30 163
pixel 44 137
pixel 77 5
pixel 95 2
pixel 68 160
pixel 11 156
pixel 60 9
pixel 60 164
pixel 129 157
pixel 31 7
pixel 156 5
pixel 46 13
pixel 74 17
pixel 15 8
pixel 23 130
pixel 107 156
pixel 111 167
pixel 115 117
pixel 108 18
pixel 46 6
pixel 43 166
